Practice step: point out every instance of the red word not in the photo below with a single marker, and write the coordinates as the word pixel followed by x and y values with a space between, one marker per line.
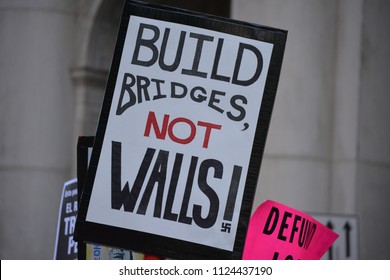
pixel 168 126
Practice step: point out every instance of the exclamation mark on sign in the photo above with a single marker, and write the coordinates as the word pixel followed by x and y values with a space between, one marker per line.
pixel 231 200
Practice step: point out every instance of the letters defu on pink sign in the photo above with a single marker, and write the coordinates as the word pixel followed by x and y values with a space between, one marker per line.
pixel 279 232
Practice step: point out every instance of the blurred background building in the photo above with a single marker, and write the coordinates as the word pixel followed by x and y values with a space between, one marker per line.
pixel 328 147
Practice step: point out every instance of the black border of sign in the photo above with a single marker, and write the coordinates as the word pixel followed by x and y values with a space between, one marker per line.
pixel 83 144
pixel 160 245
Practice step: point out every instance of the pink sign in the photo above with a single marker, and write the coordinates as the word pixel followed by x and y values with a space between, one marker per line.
pixel 279 232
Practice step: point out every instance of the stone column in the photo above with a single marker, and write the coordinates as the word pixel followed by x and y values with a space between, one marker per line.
pixel 373 170
pixel 36 119
pixel 328 149
pixel 346 106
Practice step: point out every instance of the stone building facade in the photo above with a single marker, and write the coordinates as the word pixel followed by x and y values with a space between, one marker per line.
pixel 328 147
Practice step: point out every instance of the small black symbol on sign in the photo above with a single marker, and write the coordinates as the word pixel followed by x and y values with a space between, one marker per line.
pixel 226 227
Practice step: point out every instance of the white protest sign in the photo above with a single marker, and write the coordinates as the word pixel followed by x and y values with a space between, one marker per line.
pixel 174 151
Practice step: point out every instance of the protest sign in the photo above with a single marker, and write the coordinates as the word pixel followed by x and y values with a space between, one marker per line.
pixel 181 133
pixel 277 231
pixel 65 247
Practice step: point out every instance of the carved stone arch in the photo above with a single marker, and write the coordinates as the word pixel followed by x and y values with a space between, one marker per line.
pixel 85 22
pixel 98 25
pixel 103 34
